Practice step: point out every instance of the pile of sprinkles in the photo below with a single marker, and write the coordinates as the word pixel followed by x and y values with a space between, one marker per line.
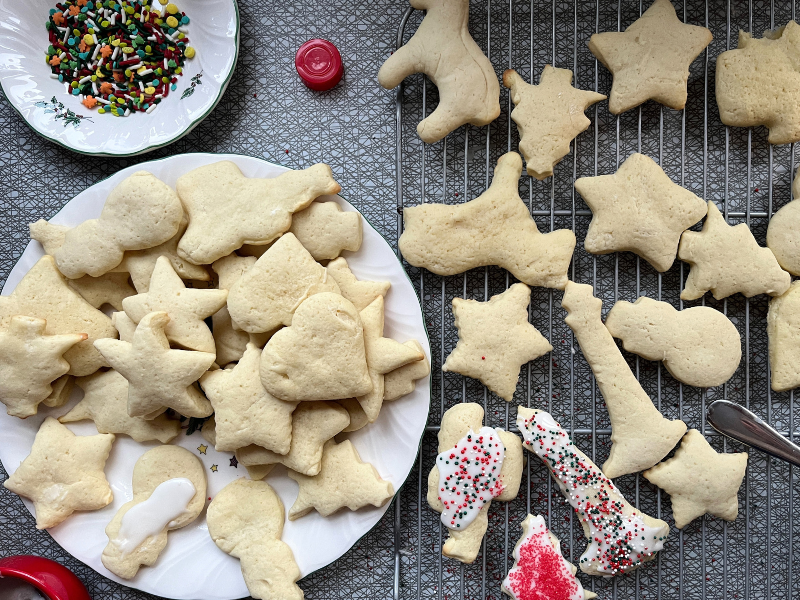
pixel 124 56
pixel 619 539
pixel 469 476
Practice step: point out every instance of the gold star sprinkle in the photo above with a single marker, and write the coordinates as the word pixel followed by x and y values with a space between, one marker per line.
pixel 202 448
pixel 214 468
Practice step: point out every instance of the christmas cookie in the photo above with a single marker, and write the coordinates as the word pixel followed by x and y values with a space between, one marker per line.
pixel 230 341
pixel 650 60
pixel 783 233
pixel 111 288
pixel 494 229
pixel 360 293
pixel 403 380
pixel 443 49
pixel 783 328
pixel 549 116
pixel 621 538
pixel 700 480
pixel 62 388
pixel 325 230
pixel 495 339
pixel 124 325
pixel 63 473
pixel 640 435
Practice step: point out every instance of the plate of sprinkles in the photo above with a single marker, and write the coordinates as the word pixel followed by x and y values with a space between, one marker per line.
pixel 116 77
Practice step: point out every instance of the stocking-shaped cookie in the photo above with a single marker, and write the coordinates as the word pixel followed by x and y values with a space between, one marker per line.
pixel 443 49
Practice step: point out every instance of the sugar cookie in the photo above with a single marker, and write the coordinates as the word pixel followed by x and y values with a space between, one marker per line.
pixel 111 288
pixel 62 388
pixel 783 232
pixel 360 293
pixel 325 230
pixel 403 380
pixel 230 341
pixel 783 328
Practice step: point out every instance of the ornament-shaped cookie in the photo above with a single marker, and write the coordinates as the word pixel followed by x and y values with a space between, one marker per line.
pixel 443 49
pixel 783 328
pixel 494 229
pixel 783 232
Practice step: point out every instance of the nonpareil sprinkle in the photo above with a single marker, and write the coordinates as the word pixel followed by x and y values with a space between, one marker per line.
pixel 129 53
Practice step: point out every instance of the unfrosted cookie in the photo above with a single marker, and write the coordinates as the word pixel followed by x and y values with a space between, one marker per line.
pixel 105 401
pixel 494 229
pixel 245 520
pixel 124 325
pixel 699 346
pixel 443 49
pixel 187 307
pixel 783 232
pixel 403 380
pixel 358 418
pixel 344 480
pixel 169 492
pixel 29 362
pixel 227 209
pixel 244 412
pixel 640 435
pixel 110 288
pixel 700 480
pixel 727 259
pixel 44 293
pixel 621 538
pixel 758 83
pixel 650 60
pixel 783 328
pixel 158 376
pixel 325 230
pixel 321 356
pixel 230 341
pixel 360 293
pixel 549 116
pixel 141 212
pixel 495 339
pixel 62 388
pixel 63 473
pixel 639 209
pixel 267 294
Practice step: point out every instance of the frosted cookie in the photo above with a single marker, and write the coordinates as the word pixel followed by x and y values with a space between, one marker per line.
pixel 463 491
pixel 321 356
pixel 227 209
pixel 230 341
pixel 29 362
pixel 62 388
pixel 494 229
pixel 313 424
pixel 443 49
pixel 44 293
pixel 157 375
pixel 169 492
pixel 549 116
pixel 650 60
pixel 700 480
pixel 758 83
pixel 699 346
pixel 540 572
pixel 726 260
pixel 639 209
pixel 383 355
pixel 640 435
pixel 360 293
pixel 495 339
pixel 245 520
pixel 344 480
pixel 783 232
pixel 621 538
pixel 141 212
pixel 402 381
pixel 187 307
pixel 111 288
pixel 105 401
pixel 783 328
pixel 63 473
pixel 325 230
pixel 267 294
pixel 244 412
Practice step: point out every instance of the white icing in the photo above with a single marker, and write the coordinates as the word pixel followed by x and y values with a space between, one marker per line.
pixel 469 476
pixel 149 518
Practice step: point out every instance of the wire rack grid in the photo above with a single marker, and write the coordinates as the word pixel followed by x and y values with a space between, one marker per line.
pixel 751 557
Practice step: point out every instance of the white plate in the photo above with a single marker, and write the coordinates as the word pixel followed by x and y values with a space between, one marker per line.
pixel 25 78
pixel 192 566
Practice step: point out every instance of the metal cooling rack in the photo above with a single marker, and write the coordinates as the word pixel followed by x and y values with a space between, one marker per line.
pixel 751 557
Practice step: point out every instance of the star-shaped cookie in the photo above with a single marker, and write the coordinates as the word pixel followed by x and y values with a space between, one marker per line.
pixel 187 307
pixel 700 480
pixel 227 209
pixel 158 376
pixel 29 362
pixel 360 293
pixel 495 339
pixel 639 209
pixel 63 473
pixel 549 116
pixel 246 413
pixel 650 60
pixel 343 480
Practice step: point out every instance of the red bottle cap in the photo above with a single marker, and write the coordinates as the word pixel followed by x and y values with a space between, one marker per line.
pixel 319 64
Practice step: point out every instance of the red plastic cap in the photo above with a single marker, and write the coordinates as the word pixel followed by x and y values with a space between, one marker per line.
pixel 319 64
